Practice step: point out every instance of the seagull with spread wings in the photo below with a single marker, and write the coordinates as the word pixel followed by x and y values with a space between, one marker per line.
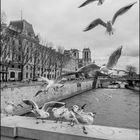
pixel 93 68
pixel 112 61
pixel 43 112
pixel 55 84
pixel 100 2
pixel 109 24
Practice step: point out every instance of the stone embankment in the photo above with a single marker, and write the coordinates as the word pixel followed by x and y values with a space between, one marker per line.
pixel 25 128
pixel 17 93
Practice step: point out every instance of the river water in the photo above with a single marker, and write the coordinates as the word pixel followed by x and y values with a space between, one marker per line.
pixel 114 107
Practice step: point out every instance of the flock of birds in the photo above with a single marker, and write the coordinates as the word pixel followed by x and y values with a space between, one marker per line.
pixel 108 25
pixel 59 110
pixel 76 114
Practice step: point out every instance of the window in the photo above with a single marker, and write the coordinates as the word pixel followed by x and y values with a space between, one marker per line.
pixel 13 42
pixel 44 75
pixel 26 67
pixel 38 68
pixel 20 42
pixel 31 68
pixel 19 58
pixel 19 66
pixel 27 75
pixel 12 66
pixel 12 74
pixel 30 75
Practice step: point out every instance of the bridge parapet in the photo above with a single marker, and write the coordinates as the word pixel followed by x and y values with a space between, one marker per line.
pixel 25 128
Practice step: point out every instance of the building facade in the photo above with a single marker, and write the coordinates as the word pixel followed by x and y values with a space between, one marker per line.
pixel 86 56
pixel 24 57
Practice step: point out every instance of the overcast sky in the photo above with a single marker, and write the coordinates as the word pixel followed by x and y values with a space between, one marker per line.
pixel 61 22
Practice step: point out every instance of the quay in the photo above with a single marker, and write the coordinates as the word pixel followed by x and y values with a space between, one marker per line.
pixel 25 128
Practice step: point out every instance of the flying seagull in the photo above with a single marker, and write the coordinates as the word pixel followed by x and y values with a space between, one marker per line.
pixel 100 71
pixel 55 84
pixel 100 2
pixel 109 24
pixel 112 61
pixel 43 112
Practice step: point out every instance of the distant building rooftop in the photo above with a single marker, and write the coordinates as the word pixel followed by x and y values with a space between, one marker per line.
pixel 22 26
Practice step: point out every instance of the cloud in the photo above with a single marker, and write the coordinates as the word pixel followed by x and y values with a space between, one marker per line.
pixel 62 23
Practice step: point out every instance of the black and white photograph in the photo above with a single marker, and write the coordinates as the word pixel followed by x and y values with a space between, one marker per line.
pixel 69 69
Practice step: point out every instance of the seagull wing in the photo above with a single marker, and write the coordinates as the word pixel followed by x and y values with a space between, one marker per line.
pixel 113 59
pixel 88 68
pixel 32 103
pixel 95 23
pixel 38 92
pixel 118 70
pixel 121 11
pixel 52 104
pixel 86 2
pixel 59 79
pixel 44 79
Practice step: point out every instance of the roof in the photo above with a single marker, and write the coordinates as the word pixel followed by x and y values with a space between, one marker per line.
pixel 22 26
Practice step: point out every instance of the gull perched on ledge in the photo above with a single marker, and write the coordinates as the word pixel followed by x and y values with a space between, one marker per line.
pixel 108 25
pixel 100 2
pixel 85 118
pixel 43 112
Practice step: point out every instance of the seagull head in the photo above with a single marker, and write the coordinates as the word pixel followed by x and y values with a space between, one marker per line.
pixel 92 114
pixel 75 108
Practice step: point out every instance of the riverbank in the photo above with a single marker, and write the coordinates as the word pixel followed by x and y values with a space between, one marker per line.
pixel 135 88
pixel 17 94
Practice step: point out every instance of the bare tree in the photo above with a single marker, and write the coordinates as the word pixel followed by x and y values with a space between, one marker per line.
pixel 7 48
pixel 131 70
pixel 62 58
pixel 25 51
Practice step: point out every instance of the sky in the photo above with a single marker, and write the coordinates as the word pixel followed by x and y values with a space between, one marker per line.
pixel 62 23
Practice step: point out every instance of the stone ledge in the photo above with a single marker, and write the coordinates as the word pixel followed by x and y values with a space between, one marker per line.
pixel 25 127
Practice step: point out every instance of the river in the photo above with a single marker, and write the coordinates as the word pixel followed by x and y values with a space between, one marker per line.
pixel 114 107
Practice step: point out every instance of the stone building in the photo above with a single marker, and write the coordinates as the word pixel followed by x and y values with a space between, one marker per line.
pixel 26 57
pixel 86 56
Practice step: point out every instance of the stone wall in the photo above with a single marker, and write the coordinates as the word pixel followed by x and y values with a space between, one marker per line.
pixel 25 128
pixel 17 94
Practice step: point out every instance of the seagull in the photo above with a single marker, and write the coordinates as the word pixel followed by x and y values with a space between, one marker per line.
pixel 55 84
pixel 43 112
pixel 9 109
pixel 99 70
pixel 70 116
pixel 109 24
pixel 59 111
pixel 112 61
pixel 78 108
pixel 100 2
pixel 86 118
